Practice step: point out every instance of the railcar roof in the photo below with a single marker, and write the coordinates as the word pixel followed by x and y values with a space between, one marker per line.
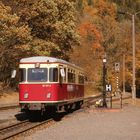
pixel 43 59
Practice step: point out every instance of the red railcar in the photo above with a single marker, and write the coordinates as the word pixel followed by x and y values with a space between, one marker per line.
pixel 47 82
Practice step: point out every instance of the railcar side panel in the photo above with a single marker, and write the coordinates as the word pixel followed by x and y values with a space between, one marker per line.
pixel 50 92
pixel 38 92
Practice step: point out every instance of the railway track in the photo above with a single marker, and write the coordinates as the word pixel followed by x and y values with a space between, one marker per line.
pixel 85 100
pixel 18 128
pixel 9 107
pixel 92 100
pixel 21 127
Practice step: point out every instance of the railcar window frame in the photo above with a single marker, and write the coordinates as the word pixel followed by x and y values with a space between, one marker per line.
pixel 55 77
pixel 81 79
pixel 22 75
pixel 63 79
pixel 38 80
pixel 71 76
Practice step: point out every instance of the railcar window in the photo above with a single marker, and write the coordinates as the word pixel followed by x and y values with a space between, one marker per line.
pixel 62 79
pixel 37 74
pixel 22 75
pixel 81 79
pixel 71 77
pixel 53 74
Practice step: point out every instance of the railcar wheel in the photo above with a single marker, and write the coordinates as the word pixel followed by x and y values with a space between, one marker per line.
pixel 68 108
pixel 79 104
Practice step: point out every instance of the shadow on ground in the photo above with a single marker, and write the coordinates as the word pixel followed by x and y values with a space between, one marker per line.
pixel 37 116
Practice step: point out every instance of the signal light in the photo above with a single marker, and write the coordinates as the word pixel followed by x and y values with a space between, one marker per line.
pixel 117 67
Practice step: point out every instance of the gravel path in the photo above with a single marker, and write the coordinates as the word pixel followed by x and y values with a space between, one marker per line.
pixel 95 125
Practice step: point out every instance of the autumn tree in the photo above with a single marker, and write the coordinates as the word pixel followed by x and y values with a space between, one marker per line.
pixel 52 25
pixel 14 38
pixel 40 27
pixel 82 30
pixel 97 29
pixel 88 54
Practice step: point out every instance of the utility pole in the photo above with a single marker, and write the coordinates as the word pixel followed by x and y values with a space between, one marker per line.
pixel 134 63
pixel 134 52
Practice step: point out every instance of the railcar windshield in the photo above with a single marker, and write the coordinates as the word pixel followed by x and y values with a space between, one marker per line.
pixel 37 74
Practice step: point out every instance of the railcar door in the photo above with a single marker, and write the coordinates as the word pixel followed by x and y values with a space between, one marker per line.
pixel 62 83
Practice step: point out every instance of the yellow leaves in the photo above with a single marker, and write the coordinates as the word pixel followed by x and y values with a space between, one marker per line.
pixel 90 10
pixel 24 47
pixel 4 9
pixel 6 16
pixel 11 32
pixel 42 47
pixel 23 33
pixel 14 19
pixel 105 8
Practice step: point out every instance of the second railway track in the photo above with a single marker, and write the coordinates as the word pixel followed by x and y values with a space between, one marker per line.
pixel 9 107
pixel 18 128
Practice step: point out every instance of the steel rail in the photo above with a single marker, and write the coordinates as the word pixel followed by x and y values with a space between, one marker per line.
pixel 9 107
pixel 19 128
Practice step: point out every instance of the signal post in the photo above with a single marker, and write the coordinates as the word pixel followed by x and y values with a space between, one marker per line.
pixel 117 71
pixel 104 83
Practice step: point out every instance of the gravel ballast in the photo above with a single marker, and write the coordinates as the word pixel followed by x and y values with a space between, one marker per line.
pixel 92 124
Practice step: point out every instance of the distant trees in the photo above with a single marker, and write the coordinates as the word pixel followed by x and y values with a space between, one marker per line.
pixel 131 5
pixel 125 22
pixel 97 29
pixel 115 38
pixel 81 30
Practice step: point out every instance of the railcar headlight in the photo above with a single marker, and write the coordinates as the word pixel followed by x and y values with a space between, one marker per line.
pixel 26 95
pixel 49 95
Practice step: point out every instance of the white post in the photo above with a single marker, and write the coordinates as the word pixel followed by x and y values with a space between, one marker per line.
pixel 123 74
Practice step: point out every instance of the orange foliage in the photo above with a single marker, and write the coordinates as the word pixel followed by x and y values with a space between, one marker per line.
pixel 89 10
pixel 97 46
pixel 88 28
pixel 105 8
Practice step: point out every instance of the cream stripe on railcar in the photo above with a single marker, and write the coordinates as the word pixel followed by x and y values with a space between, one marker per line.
pixel 46 59
pixel 41 65
pixel 69 100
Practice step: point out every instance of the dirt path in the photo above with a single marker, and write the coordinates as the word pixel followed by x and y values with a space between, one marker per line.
pixel 9 97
